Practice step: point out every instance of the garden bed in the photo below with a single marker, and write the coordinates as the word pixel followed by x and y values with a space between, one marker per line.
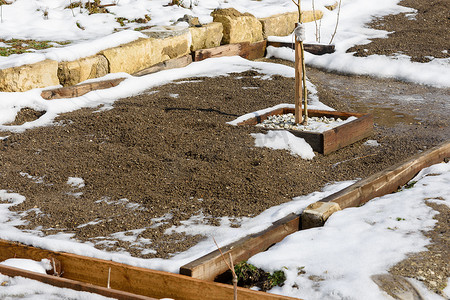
pixel 329 140
pixel 167 155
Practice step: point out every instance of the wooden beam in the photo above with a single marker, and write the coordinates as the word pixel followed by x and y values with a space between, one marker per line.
pixel 317 49
pixel 377 185
pixel 179 62
pixel 211 265
pixel 140 281
pixel 71 284
pixel 79 90
pixel 224 50
pixel 244 49
pixel 253 50
pixel 348 133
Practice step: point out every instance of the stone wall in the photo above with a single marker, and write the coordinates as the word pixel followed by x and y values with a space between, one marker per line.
pixel 207 36
pixel 73 72
pixel 27 77
pixel 284 24
pixel 238 27
pixel 163 43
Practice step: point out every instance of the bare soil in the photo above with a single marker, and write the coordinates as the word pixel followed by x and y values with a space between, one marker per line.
pixel 420 36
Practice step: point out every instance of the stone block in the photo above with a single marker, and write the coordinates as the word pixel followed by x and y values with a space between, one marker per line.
pixel 146 52
pixel 207 36
pixel 316 214
pixel 238 27
pixel 284 24
pixel 27 77
pixel 74 72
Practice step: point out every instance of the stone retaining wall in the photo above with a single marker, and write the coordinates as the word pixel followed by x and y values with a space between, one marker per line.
pixel 27 77
pixel 163 43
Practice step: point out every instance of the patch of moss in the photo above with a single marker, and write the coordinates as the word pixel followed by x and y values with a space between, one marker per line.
pixel 143 28
pixel 93 7
pixel 176 2
pixel 19 46
pixel 121 21
pixel 248 276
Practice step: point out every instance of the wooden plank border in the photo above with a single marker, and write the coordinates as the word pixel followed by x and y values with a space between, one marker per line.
pixel 130 279
pixel 245 49
pixel 79 90
pixel 332 139
pixel 317 49
pixel 211 265
pixel 71 284
pixel 377 185
pixel 179 62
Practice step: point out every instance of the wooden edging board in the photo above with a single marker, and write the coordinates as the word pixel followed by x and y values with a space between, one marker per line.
pixel 179 62
pixel 377 185
pixel 317 49
pixel 130 279
pixel 79 90
pixel 208 267
pixel 332 139
pixel 71 284
pixel 245 49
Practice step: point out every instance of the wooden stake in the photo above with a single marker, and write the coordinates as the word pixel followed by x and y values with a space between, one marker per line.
pixel 298 83
pixel 300 60
pixel 305 91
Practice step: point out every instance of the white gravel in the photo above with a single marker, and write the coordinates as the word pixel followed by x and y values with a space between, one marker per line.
pixel 315 124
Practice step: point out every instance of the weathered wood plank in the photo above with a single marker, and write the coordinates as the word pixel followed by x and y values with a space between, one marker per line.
pixel 211 265
pixel 224 50
pixel 146 282
pixel 330 140
pixel 377 185
pixel 253 50
pixel 244 49
pixel 179 62
pixel 317 49
pixel 79 90
pixel 71 284
pixel 390 179
pixel 346 134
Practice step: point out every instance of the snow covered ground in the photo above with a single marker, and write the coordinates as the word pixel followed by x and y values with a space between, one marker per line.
pixel 388 227
pixel 25 19
pixel 331 262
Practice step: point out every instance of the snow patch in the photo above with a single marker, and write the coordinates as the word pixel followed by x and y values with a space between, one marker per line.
pixel 284 140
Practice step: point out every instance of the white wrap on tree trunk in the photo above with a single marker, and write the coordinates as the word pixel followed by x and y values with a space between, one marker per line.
pixel 299 32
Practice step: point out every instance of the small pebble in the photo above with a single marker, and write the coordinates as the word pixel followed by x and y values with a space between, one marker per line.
pixel 287 121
